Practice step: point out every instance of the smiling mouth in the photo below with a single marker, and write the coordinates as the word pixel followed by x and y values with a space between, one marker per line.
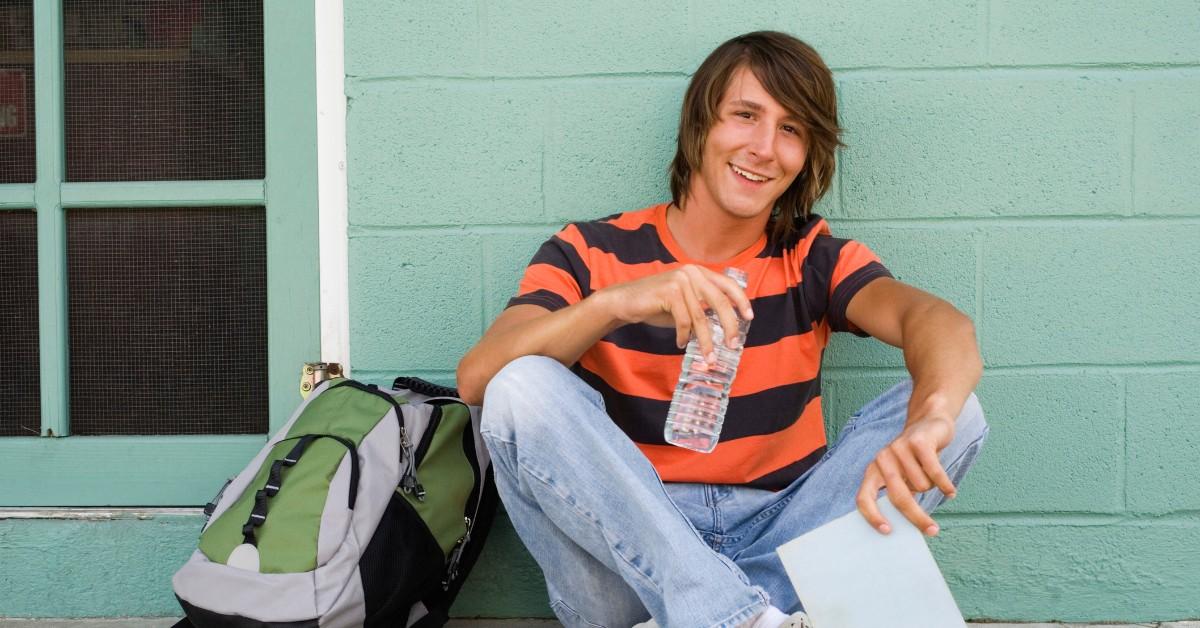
pixel 749 176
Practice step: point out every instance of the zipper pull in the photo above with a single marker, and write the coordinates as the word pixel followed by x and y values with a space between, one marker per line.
pixel 452 564
pixel 404 442
pixel 409 484
pixel 456 555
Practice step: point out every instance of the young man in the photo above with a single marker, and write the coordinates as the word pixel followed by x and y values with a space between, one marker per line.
pixel 580 369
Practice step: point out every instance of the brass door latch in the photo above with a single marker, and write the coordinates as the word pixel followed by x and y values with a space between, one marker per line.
pixel 314 373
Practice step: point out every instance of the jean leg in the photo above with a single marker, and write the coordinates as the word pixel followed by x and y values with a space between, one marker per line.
pixel 585 501
pixel 830 488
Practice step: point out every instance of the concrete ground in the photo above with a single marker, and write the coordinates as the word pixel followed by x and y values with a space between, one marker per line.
pixel 132 622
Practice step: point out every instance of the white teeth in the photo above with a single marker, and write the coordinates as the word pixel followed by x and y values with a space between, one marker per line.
pixel 748 175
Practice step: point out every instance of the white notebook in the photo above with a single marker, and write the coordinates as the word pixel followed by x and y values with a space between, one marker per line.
pixel 848 575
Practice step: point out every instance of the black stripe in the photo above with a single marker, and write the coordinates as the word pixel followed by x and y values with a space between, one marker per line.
pixel 562 255
pixel 846 291
pixel 775 317
pixel 781 478
pixel 764 412
pixel 545 298
pixel 776 248
pixel 817 272
pixel 629 246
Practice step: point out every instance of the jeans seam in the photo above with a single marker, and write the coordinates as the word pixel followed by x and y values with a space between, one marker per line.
pixel 746 612
pixel 563 604
pixel 591 520
pixel 973 445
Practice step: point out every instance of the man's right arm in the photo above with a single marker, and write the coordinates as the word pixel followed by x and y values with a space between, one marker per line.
pixel 533 330
pixel 670 299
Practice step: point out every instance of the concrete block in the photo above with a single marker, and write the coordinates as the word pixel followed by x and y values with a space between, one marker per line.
pixel 415 301
pixel 1056 442
pixel 103 568
pixel 985 146
pixel 1164 442
pixel 1166 142
pixel 411 38
pixel 938 33
pixel 543 37
pixel 505 256
pixel 1028 32
pixel 937 260
pixel 1128 571
pixel 461 153
pixel 609 145
pixel 1111 293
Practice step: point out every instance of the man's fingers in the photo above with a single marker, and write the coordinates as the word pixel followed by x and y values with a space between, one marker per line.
pixel 699 319
pixel 914 474
pixel 724 310
pixel 933 468
pixel 711 287
pixel 736 295
pixel 867 498
pixel 677 307
pixel 900 495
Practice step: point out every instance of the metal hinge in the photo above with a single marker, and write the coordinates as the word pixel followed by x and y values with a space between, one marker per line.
pixel 314 373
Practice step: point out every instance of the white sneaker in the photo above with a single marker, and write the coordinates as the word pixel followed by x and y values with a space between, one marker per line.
pixel 799 619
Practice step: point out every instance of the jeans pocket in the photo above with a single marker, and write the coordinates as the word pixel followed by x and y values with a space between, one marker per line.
pixel 569 617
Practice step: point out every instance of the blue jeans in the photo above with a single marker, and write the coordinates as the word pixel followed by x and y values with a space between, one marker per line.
pixel 617 545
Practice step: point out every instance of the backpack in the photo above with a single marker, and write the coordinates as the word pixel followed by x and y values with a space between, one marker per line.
pixel 367 508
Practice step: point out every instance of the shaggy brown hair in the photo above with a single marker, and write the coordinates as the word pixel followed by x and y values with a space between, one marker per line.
pixel 794 74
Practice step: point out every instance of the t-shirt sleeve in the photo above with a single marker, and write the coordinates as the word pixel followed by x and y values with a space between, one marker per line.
pixel 837 270
pixel 556 276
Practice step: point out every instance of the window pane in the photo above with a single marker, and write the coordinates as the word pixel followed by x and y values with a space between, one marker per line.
pixel 168 320
pixel 163 90
pixel 20 400
pixel 17 159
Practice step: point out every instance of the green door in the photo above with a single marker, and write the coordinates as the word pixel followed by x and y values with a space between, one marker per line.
pixel 158 243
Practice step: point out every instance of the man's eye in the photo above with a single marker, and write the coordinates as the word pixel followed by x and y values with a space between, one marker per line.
pixel 790 129
pixel 743 114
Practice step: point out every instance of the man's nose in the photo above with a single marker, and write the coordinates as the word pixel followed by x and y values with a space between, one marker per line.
pixel 762 143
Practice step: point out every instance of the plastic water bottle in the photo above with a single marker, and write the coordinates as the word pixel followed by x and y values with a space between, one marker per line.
pixel 702 394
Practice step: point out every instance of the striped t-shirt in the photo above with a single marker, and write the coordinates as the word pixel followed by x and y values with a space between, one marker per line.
pixel 799 290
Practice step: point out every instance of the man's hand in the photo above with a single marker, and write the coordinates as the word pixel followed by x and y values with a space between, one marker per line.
pixel 678 298
pixel 909 464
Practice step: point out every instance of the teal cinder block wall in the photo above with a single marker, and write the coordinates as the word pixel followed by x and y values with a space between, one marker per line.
pixel 1031 162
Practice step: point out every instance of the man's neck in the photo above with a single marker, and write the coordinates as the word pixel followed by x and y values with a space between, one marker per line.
pixel 708 235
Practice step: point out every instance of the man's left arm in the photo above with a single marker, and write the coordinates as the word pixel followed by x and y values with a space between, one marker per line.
pixel 939 349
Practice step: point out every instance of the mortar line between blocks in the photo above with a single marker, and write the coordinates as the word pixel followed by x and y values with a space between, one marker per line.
pixel 1125 445
pixel 1185 518
pixel 1132 149
pixel 944 222
pixel 1032 369
pixel 979 290
pixel 542 164
pixel 987 32
pixel 484 287
pixel 1146 71
pixel 841 183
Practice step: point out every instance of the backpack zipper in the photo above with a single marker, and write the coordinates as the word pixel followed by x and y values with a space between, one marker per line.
pixel 456 555
pixel 408 458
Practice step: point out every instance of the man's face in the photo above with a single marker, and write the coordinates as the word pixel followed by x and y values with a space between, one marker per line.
pixel 754 150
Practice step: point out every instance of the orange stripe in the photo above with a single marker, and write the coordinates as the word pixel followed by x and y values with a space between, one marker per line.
pixel 634 219
pixel 552 278
pixel 571 235
pixel 853 256
pixel 745 459
pixel 790 360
